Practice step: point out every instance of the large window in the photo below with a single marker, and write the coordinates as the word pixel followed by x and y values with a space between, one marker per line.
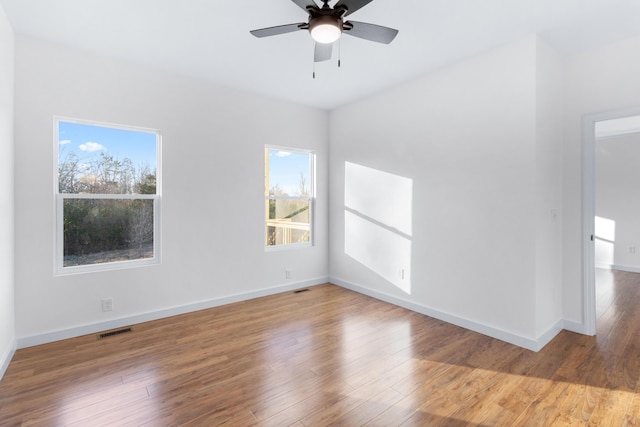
pixel 107 186
pixel 289 195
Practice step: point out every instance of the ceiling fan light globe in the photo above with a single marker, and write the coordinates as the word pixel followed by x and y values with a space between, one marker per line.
pixel 325 33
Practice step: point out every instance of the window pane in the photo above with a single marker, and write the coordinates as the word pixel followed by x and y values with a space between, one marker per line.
pixel 289 173
pixel 103 160
pixel 107 230
pixel 288 222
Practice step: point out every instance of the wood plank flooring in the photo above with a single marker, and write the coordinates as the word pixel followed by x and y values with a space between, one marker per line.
pixel 330 356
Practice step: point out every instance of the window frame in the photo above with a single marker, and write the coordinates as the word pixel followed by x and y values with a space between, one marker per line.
pixel 311 198
pixel 59 199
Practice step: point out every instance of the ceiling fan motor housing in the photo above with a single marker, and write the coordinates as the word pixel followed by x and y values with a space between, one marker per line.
pixel 325 28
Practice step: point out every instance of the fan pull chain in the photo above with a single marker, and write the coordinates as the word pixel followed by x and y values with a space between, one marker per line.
pixel 339 52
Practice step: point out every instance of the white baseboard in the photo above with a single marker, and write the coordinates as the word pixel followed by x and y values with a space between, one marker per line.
pixel 626 268
pixel 93 328
pixel 604 266
pixel 511 338
pixel 525 342
pixel 5 358
pixel 550 334
pixel 576 327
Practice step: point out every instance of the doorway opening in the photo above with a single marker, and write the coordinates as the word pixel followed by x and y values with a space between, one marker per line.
pixel 611 206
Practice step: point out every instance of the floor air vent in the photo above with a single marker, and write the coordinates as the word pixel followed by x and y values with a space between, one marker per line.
pixel 113 333
pixel 300 290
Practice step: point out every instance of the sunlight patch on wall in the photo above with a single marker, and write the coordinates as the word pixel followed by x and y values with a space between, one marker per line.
pixel 378 222
pixel 382 196
pixel 605 238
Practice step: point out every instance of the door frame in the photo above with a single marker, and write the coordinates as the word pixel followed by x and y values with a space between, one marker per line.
pixel 589 210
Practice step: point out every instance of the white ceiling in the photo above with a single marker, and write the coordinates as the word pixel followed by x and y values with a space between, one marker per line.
pixel 209 39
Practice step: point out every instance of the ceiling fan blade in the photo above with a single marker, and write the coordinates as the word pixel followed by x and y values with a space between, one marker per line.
pixel 375 33
pixel 351 5
pixel 304 4
pixel 280 29
pixel 322 52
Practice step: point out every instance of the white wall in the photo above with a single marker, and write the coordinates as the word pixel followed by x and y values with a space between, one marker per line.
pixel 474 145
pixel 213 140
pixel 7 318
pixel 617 189
pixel 600 80
pixel 483 186
pixel 549 127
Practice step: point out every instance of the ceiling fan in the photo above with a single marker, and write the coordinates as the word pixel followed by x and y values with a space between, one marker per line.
pixel 326 24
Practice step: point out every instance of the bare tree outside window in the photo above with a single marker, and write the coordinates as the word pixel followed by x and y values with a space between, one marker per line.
pixel 107 191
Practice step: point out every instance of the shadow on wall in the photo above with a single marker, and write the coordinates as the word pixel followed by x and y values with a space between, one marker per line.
pixel 378 222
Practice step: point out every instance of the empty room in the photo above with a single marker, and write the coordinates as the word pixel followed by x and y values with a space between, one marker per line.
pixel 311 213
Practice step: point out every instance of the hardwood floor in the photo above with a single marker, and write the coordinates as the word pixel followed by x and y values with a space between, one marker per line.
pixel 330 356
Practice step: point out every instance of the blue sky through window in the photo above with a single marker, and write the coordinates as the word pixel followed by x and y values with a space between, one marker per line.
pixel 286 169
pixel 89 141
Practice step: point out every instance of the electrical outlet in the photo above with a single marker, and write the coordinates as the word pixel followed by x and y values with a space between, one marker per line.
pixel 632 249
pixel 107 304
pixel 287 274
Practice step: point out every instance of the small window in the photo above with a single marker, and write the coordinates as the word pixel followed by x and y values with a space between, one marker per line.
pixel 107 186
pixel 289 196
